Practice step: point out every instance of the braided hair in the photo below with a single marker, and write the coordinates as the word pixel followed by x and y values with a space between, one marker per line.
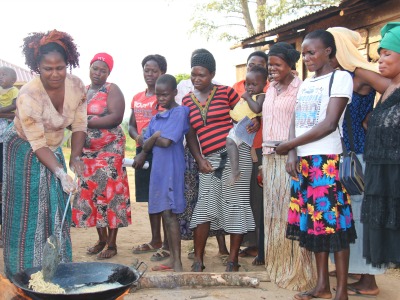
pixel 38 44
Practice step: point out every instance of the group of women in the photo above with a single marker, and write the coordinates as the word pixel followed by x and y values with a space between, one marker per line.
pixel 302 124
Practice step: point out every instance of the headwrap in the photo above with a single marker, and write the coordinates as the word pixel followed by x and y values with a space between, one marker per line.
pixel 347 42
pixel 107 58
pixel 52 37
pixel 390 37
pixel 286 52
pixel 205 60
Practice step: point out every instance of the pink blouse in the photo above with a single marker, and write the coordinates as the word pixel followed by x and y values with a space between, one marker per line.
pixel 277 112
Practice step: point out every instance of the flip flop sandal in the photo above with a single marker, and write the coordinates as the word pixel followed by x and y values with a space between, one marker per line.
pixel 258 261
pixel 96 249
pixel 197 267
pixel 352 291
pixel 246 252
pixel 309 295
pixel 160 255
pixel 230 266
pixel 191 254
pixel 109 248
pixel 162 268
pixel 144 248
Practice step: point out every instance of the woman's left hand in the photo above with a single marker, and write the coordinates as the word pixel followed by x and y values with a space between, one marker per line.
pixel 76 165
pixel 254 126
pixel 283 148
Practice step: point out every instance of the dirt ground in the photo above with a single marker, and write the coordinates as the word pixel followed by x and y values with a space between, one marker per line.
pixel 139 232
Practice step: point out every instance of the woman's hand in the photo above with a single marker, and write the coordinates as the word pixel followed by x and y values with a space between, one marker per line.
pixel 254 127
pixel 139 140
pixel 283 148
pixel 68 184
pixel 292 164
pixel 205 166
pixel 76 165
pixel 139 160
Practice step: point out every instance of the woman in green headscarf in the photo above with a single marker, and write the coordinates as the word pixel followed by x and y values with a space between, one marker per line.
pixel 381 205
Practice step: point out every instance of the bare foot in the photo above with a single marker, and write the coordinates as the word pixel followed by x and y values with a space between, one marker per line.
pixel 97 248
pixel 232 179
pixel 107 253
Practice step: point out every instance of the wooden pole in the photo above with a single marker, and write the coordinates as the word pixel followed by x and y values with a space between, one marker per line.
pixel 201 279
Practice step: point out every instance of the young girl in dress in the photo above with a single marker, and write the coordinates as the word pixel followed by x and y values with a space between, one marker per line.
pixel 164 138
pixel 320 215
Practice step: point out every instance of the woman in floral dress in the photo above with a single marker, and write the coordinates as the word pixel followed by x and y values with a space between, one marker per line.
pixel 103 200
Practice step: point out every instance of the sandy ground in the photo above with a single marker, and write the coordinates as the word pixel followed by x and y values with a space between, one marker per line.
pixel 139 232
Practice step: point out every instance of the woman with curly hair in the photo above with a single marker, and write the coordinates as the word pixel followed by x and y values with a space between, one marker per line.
pixel 35 177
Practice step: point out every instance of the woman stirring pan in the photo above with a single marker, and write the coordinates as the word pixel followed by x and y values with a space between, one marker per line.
pixel 35 178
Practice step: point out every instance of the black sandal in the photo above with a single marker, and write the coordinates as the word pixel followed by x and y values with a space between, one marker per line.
pixel 230 266
pixel 198 267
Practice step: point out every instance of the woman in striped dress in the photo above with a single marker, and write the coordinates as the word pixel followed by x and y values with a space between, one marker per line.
pixel 218 206
pixel 289 267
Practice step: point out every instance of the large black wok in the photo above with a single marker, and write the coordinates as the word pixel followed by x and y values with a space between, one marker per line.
pixel 69 275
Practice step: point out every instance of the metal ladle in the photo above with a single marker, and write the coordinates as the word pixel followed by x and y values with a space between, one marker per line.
pixel 52 248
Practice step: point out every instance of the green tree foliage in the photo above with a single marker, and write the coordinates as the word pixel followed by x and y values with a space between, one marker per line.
pixel 233 20
pixel 181 76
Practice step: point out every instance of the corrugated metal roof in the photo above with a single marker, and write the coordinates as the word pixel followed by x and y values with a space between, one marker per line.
pixel 303 21
pixel 309 15
pixel 23 75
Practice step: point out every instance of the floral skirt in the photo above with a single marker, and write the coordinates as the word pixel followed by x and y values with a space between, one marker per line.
pixel 320 214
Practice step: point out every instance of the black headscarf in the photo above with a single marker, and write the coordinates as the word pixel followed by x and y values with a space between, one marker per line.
pixel 286 52
pixel 205 60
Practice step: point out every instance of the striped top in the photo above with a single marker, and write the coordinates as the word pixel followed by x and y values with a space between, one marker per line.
pixel 212 121
pixel 278 111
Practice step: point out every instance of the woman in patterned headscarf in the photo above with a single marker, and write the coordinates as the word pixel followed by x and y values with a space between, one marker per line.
pixel 35 178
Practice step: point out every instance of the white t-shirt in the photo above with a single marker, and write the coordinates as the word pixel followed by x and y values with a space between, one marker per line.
pixel 312 102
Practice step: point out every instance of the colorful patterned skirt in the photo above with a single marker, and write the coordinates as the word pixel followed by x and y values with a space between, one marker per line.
pixel 320 214
pixel 34 204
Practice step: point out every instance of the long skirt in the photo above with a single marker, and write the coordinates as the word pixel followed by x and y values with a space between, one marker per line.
pixel 288 265
pixel 33 206
pixel 225 207
pixel 191 195
pixel 380 215
pixel 142 179
pixel 357 263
